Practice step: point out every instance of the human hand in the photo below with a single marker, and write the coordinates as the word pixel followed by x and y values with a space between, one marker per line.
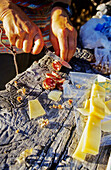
pixel 21 31
pixel 63 35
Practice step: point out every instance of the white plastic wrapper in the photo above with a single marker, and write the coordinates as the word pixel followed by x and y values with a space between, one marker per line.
pixel 79 89
pixel 96 34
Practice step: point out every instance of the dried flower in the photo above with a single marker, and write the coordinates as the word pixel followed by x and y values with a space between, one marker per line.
pixel 70 101
pixel 19 98
pixel 15 83
pixel 43 122
pixel 54 106
pixel 85 119
pixel 22 91
pixel 17 131
pixel 78 86
pixel 60 106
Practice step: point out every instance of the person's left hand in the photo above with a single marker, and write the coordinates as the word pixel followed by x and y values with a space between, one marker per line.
pixel 63 35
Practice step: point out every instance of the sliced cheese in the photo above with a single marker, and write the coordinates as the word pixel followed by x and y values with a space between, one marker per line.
pixel 106 126
pixel 78 154
pixel 92 135
pixel 84 111
pixel 87 104
pixel 35 109
pixel 98 91
pixel 108 107
pixel 97 107
pixel 55 95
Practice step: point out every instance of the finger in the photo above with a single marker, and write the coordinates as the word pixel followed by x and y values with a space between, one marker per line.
pixel 27 43
pixel 12 37
pixel 55 44
pixel 63 43
pixel 19 39
pixel 38 44
pixel 72 47
pixel 19 43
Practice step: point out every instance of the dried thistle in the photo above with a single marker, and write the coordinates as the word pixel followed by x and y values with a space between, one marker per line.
pixel 11 50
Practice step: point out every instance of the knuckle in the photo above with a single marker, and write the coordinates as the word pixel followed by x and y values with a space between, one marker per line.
pixel 62 32
pixel 20 32
pixel 26 50
pixel 72 29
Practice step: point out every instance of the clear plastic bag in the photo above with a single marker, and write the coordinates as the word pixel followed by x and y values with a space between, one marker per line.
pixel 96 34
pixel 81 93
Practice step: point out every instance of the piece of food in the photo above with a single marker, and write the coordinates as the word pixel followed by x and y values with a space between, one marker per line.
pixel 70 101
pixel 35 109
pixel 78 154
pixel 43 122
pixel 59 84
pixel 97 107
pixel 49 84
pixel 84 111
pixel 98 91
pixel 108 107
pixel 24 154
pixel 106 126
pixel 95 110
pixel 49 75
pixel 19 99
pixel 55 95
pixel 92 135
pixel 97 101
pixel 87 104
pixel 90 139
pixel 56 74
pixel 44 85
pixel 56 65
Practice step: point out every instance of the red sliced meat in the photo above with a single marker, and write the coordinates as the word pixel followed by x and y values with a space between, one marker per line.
pixel 49 75
pixel 56 74
pixel 56 65
pixel 49 84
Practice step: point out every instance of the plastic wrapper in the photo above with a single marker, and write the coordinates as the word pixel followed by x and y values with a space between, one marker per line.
pixel 79 88
pixel 96 34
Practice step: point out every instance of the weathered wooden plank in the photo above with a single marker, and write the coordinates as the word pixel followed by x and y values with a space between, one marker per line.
pixel 52 145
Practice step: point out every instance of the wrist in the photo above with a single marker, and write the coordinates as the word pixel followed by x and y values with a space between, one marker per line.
pixel 64 6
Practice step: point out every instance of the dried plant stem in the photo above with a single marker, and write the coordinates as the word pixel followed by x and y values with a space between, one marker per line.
pixel 11 50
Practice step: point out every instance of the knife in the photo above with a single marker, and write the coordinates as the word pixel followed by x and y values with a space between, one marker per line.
pixel 55 57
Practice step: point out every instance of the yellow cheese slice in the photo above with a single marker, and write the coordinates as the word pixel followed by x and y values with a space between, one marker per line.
pixel 106 126
pixel 92 135
pixel 78 154
pixel 84 111
pixel 97 107
pixel 98 91
pixel 55 95
pixel 87 104
pixel 108 107
pixel 35 109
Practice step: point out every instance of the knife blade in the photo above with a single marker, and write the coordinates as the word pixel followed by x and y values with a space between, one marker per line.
pixel 55 57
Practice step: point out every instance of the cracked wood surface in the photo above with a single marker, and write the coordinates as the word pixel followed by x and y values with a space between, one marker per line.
pixel 52 145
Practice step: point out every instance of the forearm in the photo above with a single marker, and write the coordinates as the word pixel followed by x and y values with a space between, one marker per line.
pixel 66 1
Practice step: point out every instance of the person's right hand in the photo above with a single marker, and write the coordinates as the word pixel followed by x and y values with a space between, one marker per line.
pixel 21 31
